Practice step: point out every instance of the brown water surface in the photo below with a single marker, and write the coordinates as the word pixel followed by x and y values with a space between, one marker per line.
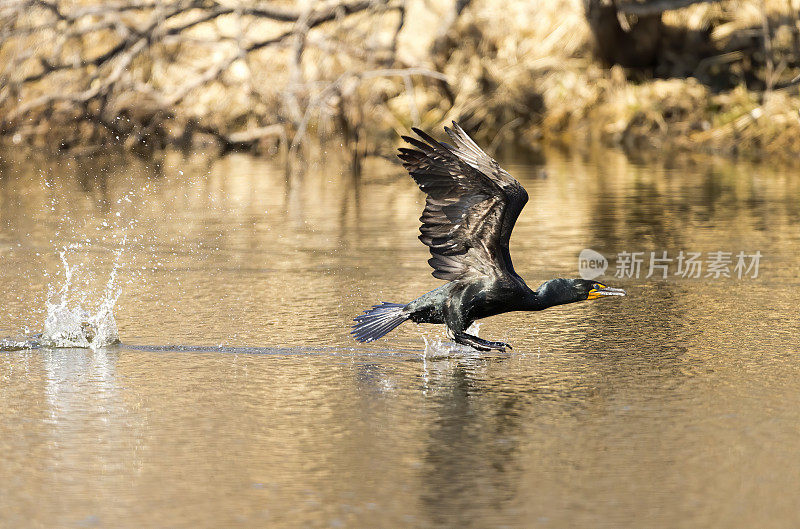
pixel 237 399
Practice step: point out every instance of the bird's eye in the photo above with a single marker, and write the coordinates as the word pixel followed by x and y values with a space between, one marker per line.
pixel 598 286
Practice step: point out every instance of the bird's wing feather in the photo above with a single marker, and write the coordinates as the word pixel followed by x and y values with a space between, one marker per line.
pixel 471 207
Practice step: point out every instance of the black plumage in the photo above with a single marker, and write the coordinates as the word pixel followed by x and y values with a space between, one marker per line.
pixel 470 212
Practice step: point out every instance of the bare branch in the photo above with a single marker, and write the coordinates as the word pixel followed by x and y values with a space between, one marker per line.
pixel 126 66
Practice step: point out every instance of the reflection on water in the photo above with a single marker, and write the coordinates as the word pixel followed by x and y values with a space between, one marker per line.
pixel 238 399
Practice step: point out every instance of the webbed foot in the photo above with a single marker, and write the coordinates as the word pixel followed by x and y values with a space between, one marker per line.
pixel 500 346
pixel 479 343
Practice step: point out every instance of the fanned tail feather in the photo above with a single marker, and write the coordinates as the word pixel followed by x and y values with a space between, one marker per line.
pixel 378 321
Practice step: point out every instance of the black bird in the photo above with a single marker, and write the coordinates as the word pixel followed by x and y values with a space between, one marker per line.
pixel 469 214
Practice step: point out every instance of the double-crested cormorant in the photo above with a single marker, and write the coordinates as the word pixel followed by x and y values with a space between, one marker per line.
pixel 470 210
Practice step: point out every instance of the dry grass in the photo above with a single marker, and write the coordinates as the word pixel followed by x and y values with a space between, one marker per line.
pixel 515 71
pixel 525 71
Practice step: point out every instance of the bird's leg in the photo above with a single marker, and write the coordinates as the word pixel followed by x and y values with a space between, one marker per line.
pixel 479 343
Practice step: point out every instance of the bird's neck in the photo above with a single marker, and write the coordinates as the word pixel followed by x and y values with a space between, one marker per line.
pixel 547 296
pixel 533 300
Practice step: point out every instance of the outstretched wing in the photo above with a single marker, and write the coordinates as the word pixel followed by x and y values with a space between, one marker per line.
pixel 471 208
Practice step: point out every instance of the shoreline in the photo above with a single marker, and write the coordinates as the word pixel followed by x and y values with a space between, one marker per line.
pixel 720 79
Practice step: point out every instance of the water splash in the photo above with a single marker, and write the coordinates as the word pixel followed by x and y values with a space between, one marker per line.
pixel 77 315
pixel 18 344
pixel 474 329
pixel 83 289
pixel 442 346
pixel 80 312
pixel 68 322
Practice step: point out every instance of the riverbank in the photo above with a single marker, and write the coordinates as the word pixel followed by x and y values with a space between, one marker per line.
pixel 721 81
pixel 719 77
pixel 678 115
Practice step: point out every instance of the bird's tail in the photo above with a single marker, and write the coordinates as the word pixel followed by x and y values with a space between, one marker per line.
pixel 378 321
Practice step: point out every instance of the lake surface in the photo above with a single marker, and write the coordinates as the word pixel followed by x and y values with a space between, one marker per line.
pixel 236 397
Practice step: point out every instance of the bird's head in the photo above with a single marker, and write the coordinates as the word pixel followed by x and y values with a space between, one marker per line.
pixel 560 291
pixel 590 289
